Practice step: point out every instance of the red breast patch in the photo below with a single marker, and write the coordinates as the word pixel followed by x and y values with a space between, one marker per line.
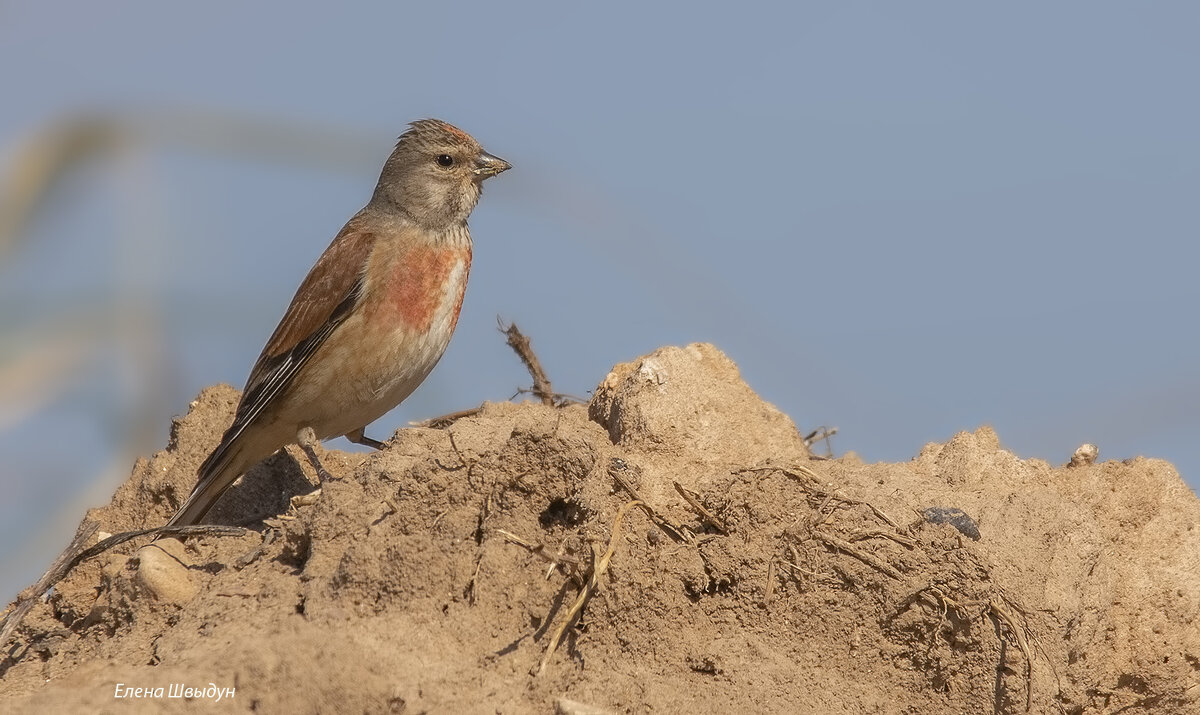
pixel 419 281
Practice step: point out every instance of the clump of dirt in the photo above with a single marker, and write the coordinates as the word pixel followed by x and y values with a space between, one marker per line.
pixel 433 575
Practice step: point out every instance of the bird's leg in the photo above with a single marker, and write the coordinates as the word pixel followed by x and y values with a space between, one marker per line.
pixel 358 437
pixel 307 439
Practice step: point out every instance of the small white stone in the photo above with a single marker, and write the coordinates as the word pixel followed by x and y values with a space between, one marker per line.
pixel 1085 455
pixel 567 706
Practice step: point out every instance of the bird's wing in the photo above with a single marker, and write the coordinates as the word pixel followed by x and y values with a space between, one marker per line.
pixel 326 297
pixel 323 301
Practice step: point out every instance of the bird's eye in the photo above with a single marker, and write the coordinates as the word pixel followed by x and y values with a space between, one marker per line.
pixel 445 160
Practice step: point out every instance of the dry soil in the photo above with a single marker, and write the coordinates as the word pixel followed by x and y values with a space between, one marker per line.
pixel 433 575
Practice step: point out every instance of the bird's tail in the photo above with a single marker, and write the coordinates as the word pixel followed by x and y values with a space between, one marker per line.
pixel 221 469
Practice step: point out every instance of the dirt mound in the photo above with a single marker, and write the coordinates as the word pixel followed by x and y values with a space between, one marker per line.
pixel 434 574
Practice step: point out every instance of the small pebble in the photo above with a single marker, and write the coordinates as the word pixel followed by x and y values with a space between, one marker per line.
pixel 954 517
pixel 1085 455
pixel 162 574
pixel 566 706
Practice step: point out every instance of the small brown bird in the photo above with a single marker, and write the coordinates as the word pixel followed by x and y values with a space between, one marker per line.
pixel 373 316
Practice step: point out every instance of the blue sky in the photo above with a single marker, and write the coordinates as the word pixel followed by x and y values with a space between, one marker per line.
pixel 902 219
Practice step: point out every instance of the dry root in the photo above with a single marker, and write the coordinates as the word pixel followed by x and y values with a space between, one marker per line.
pixel 593 583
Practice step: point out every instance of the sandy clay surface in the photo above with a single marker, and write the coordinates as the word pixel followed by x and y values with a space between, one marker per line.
pixel 432 576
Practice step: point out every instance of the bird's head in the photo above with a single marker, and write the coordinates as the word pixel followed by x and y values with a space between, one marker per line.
pixel 435 175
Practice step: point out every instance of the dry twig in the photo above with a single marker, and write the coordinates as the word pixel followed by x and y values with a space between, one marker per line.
pixel 769 591
pixel 524 350
pixel 812 483
pixel 540 551
pixel 796 571
pixel 485 512
pixel 593 583
pixel 615 469
pixel 75 554
pixel 822 434
pixel 994 609
pixel 905 541
pixel 705 514
pixel 999 614
pixel 542 389
pixel 846 547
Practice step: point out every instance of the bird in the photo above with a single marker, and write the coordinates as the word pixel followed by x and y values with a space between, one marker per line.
pixel 371 319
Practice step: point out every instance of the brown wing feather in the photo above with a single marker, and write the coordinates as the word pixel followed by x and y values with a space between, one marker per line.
pixel 330 282
pixel 327 295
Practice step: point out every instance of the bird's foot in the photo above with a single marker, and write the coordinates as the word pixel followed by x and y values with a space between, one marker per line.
pixel 307 439
pixel 358 437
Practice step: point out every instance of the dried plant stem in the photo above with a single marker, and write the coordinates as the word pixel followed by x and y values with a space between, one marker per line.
pixel 846 547
pixel 696 506
pixel 539 550
pixel 75 554
pixel 592 584
pixel 524 350
pixel 675 531
pixel 814 485
pixel 542 389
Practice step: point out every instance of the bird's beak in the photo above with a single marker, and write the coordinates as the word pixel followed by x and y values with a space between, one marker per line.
pixel 487 165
